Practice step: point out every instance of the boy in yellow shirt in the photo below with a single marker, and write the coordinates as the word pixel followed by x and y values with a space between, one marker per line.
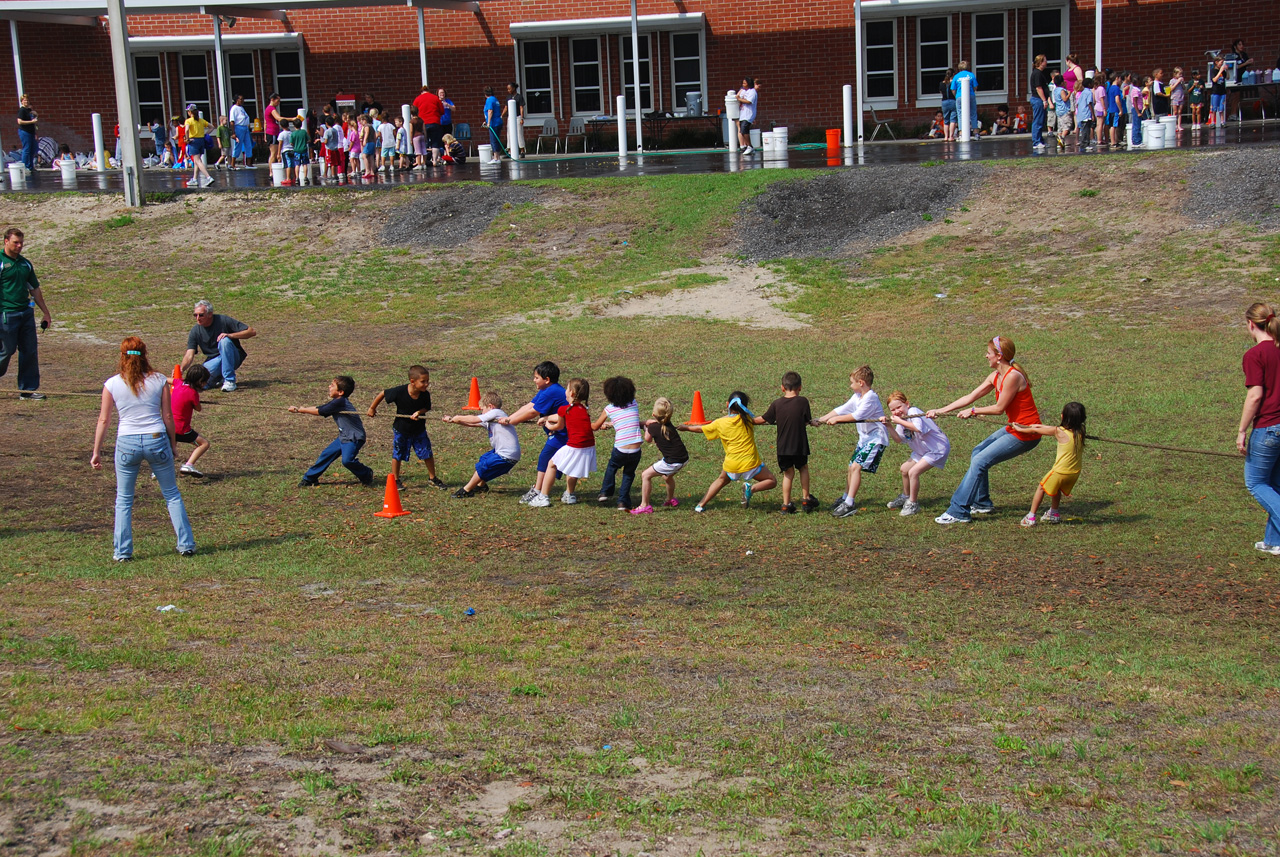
pixel 736 432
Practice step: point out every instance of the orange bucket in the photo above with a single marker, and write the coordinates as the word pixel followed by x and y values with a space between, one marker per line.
pixel 833 138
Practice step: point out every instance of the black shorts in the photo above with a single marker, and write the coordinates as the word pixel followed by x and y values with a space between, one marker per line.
pixel 786 462
pixel 744 125
pixel 187 436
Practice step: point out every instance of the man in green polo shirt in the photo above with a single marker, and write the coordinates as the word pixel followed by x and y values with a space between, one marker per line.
pixel 18 287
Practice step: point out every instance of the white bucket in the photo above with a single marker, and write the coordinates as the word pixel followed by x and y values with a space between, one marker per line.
pixel 1154 135
pixel 277 174
pixel 755 138
pixel 68 172
pixel 1170 128
pixel 17 174
pixel 780 138
pixel 484 153
pixel 766 141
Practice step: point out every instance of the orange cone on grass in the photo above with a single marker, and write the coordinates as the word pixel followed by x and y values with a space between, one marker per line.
pixel 698 418
pixel 391 507
pixel 177 373
pixel 473 400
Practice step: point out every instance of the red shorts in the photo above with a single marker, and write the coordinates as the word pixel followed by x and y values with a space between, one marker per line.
pixel 335 159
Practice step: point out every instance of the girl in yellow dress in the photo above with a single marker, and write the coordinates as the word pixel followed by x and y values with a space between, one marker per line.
pixel 1062 477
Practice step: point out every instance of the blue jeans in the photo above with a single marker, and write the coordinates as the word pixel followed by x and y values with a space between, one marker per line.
pixel 242 142
pixel 496 142
pixel 223 367
pixel 1135 118
pixel 974 490
pixel 18 334
pixel 1262 477
pixel 627 463
pixel 28 148
pixel 349 452
pixel 1039 120
pixel 131 451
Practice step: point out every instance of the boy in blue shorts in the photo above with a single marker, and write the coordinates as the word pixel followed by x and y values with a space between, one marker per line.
pixel 862 408
pixel 409 431
pixel 549 399
pixel 505 453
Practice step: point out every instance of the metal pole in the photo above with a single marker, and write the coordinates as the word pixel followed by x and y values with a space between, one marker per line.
pixel 126 108
pixel 635 69
pixel 622 126
pixel 857 41
pixel 422 45
pixel 1097 35
pixel 17 56
pixel 219 68
pixel 513 130
pixel 847 99
pixel 99 144
pixel 965 107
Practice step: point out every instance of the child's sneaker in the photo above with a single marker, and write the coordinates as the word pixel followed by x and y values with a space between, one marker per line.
pixel 897 502
pixel 190 471
pixel 528 496
pixel 909 508
pixel 399 484
pixel 1028 520
pixel 746 494
pixel 946 518
pixel 810 504
pixel 568 499
pixel 673 502
pixel 642 510
pixel 540 501
pixel 788 509
pixel 1051 517
pixel 437 482
pixel 307 483
pixel 1274 550
pixel 982 510
pixel 845 509
pixel 463 493
pixel 699 509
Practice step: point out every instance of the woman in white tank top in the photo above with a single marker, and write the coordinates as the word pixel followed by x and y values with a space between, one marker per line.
pixel 141 397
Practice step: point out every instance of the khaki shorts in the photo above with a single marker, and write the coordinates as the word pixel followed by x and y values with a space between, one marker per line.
pixel 1066 123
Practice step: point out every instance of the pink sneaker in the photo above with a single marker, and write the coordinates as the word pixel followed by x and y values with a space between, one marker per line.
pixel 673 502
pixel 642 510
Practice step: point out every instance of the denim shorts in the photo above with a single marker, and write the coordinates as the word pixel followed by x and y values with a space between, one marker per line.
pixel 491 466
pixel 1217 103
pixel 949 111
pixel 403 444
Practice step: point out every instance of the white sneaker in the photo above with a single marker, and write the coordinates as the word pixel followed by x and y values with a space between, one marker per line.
pixel 1274 550
pixel 982 510
pixel 1051 518
pixel 206 181
pixel 529 495
pixel 229 386
pixel 946 518
pixel 1028 520
pixel 897 502
pixel 190 471
pixel 909 509
pixel 748 150
pixel 541 501
pixel 568 499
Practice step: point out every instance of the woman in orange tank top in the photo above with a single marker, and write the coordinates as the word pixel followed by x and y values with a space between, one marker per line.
pixel 1013 399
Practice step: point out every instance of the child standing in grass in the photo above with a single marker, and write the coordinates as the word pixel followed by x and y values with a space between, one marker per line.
pixel 185 401
pixel 350 437
pixel 929 447
pixel 409 431
pixel 1062 477
pixel 792 416
pixel 505 443
pixel 736 432
pixel 577 458
pixel 864 409
pixel 628 438
pixel 663 435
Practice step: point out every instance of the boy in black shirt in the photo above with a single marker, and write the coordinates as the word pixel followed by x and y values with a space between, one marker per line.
pixel 350 437
pixel 792 416
pixel 409 431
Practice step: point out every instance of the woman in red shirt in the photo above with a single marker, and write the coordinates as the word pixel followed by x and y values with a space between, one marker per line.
pixel 1013 399
pixel 1259 437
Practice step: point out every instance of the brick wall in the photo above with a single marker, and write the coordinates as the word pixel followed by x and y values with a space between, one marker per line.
pixel 801 54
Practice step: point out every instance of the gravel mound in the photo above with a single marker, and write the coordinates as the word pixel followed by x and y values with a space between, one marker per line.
pixel 1236 184
pixel 832 215
pixel 451 216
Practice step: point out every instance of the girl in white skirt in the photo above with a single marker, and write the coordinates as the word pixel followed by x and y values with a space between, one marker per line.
pixel 577 458
pixel 929 448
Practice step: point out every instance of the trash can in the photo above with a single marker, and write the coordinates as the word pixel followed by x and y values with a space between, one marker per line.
pixel 755 138
pixel 693 103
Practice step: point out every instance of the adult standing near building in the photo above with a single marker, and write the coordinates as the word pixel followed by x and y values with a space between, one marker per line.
pixel 1242 59
pixel 748 109
pixel 962 74
pixel 429 111
pixel 242 131
pixel 446 113
pixel 217 337
pixel 18 288
pixel 1013 399
pixel 197 128
pixel 1259 436
pixel 371 103
pixel 145 432
pixel 1038 89
pixel 27 132
pixel 272 125
pixel 1073 73
pixel 948 105
pixel 493 112
pixel 513 94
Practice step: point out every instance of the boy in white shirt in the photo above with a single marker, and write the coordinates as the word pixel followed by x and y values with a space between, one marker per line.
pixel 286 153
pixel 503 438
pixel 873 438
pixel 387 132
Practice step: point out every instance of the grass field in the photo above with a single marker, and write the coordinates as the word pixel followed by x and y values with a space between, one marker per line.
pixel 479 677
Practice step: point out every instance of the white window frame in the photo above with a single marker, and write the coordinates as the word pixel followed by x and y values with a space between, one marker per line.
pixel 302 81
pixel 625 65
pixel 208 82
pixel 990 96
pixel 159 79
pixel 927 99
pixel 251 101
pixel 886 102
pixel 1063 35
pixel 573 77
pixel 677 104
pixel 551 80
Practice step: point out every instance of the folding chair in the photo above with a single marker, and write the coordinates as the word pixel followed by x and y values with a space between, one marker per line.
pixel 462 133
pixel 577 128
pixel 879 124
pixel 551 130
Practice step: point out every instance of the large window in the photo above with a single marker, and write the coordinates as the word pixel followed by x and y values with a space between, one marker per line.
pixel 1047 37
pixel 288 67
pixel 989 53
pixel 241 79
pixel 933 57
pixel 535 72
pixel 880 63
pixel 146 70
pixel 686 68
pixel 195 85
pixel 584 56
pixel 628 73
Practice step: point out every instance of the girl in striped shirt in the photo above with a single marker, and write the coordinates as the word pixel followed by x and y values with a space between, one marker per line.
pixel 628 439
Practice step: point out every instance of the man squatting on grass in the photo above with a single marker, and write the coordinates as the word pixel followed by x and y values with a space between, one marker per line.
pixel 217 337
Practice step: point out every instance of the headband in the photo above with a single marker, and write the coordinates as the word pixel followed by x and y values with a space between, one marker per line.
pixel 738 401
pixel 996 343
pixel 134 353
pixel 1268 318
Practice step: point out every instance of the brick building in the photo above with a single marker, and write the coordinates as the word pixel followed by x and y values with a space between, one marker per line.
pixel 573 58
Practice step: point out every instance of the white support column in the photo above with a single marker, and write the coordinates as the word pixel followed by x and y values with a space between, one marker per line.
pixel 17 56
pixel 847 98
pixel 965 109
pixel 302 75
pixel 1097 35
pixel 513 130
pixel 99 143
pixel 422 45
pixel 857 42
pixel 126 108
pixel 635 72
pixel 219 68
pixel 622 126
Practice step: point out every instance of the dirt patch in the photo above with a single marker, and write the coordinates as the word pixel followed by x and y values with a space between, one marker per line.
pixel 747 295
pixel 833 215
pixel 451 216
pixel 1241 185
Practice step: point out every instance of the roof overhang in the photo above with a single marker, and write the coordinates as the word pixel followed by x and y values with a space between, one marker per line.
pixel 597 26
pixel 230 42
pixel 881 9
pixel 15 9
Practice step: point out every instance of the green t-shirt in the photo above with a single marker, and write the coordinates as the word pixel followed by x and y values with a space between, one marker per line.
pixel 17 281
pixel 223 134
pixel 298 139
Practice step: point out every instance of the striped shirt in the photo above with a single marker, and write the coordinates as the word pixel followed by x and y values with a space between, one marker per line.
pixel 626 425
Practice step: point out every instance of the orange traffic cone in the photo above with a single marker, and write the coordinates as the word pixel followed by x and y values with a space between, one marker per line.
pixel 391 507
pixel 698 418
pixel 473 401
pixel 177 373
